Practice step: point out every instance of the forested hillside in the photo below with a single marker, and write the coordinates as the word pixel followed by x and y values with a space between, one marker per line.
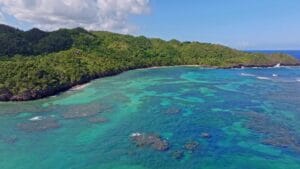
pixel 36 64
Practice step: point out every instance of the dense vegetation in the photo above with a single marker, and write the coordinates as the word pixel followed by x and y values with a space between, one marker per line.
pixel 33 42
pixel 35 64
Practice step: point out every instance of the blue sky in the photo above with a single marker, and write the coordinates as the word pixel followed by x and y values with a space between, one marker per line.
pixel 241 24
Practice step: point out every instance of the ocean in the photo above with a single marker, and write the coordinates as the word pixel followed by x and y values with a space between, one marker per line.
pixel 164 118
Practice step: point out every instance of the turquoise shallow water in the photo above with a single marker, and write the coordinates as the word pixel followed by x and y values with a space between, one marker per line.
pixel 251 115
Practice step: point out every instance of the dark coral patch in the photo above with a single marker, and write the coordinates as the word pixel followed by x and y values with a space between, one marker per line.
pixel 150 140
pixel 275 133
pixel 97 120
pixel 9 139
pixel 78 114
pixel 82 111
pixel 205 135
pixel 191 145
pixel 39 125
pixel 172 110
pixel 177 154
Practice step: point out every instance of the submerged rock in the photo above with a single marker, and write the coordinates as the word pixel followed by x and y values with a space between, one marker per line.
pixel 173 110
pixel 150 140
pixel 275 133
pixel 191 145
pixel 39 125
pixel 82 111
pixel 177 154
pixel 287 141
pixel 9 139
pixel 205 135
pixel 78 114
pixel 283 142
pixel 97 120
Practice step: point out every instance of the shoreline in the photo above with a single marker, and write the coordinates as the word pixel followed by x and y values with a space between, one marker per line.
pixel 216 67
pixel 37 95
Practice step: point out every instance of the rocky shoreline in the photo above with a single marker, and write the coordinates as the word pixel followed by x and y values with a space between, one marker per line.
pixel 6 95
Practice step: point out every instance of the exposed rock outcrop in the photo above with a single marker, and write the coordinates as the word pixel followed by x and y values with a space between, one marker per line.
pixel 5 95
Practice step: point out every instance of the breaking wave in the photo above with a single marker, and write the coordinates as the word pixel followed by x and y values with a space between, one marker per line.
pixel 247 74
pixel 263 78
pixel 36 118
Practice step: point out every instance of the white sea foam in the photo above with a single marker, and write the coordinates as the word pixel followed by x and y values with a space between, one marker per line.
pixel 278 65
pixel 263 78
pixel 275 75
pixel 298 80
pixel 247 74
pixel 36 118
pixel 79 87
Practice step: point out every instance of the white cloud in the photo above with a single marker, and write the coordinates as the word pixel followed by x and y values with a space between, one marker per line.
pixel 92 14
pixel 2 19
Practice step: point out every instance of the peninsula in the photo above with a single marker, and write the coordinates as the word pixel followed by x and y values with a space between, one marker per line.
pixel 36 64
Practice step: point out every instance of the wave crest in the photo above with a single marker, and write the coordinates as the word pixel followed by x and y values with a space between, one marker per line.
pixel 247 74
pixel 263 78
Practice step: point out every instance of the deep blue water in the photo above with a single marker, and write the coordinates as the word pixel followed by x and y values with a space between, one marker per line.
pixel 295 53
pixel 252 116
